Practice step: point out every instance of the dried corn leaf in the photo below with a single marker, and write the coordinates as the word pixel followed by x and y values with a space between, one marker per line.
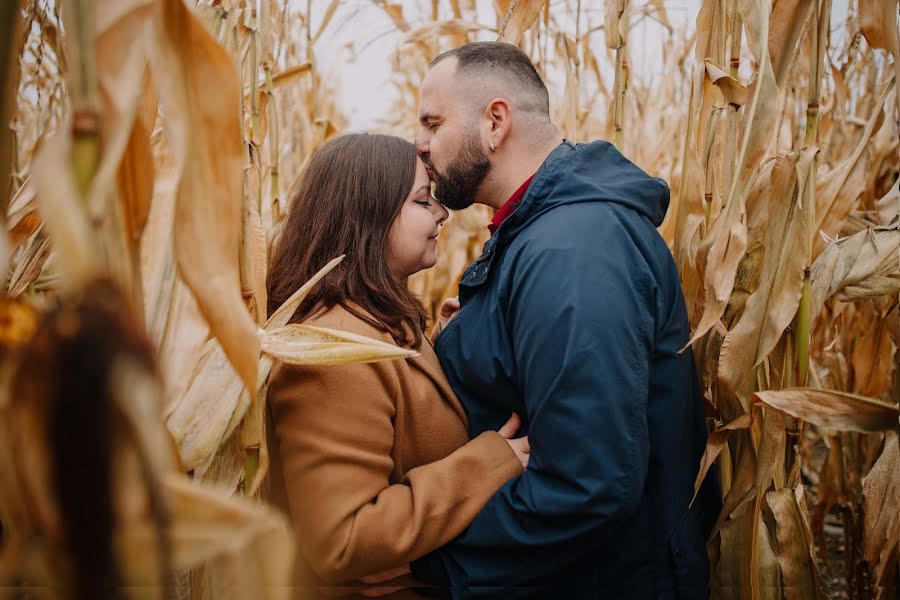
pixel 831 409
pixel 795 548
pixel 745 543
pixel 204 525
pixel 714 444
pixel 889 206
pixel 329 13
pixel 199 89
pixel 11 31
pixel 200 420
pixel 309 345
pixel 881 493
pixel 135 175
pixel 455 27
pixel 838 190
pixel 771 308
pixel 785 26
pixel 733 90
pixel 254 250
pixel 21 218
pixel 290 74
pixel 878 23
pixel 395 12
pixel 30 264
pixel 861 266
pixel 518 19
pixel 724 246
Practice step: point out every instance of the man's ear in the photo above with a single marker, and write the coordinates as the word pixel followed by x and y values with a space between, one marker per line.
pixel 499 115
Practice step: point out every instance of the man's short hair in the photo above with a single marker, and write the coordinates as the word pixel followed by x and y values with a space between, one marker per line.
pixel 499 58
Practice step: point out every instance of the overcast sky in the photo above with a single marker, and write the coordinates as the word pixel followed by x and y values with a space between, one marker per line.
pixel 363 84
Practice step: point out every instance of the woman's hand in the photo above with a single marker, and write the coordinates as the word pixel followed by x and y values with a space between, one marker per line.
pixel 449 308
pixel 519 445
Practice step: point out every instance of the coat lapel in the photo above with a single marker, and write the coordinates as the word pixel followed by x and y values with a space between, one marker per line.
pixel 427 362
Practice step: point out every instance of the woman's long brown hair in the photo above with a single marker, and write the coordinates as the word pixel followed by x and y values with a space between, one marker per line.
pixel 345 203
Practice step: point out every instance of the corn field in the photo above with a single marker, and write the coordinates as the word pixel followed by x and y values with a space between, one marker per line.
pixel 147 153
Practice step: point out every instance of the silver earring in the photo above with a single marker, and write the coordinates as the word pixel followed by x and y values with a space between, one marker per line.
pixel 493 147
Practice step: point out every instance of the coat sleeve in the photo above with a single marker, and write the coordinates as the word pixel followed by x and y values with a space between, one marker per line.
pixel 579 317
pixel 334 430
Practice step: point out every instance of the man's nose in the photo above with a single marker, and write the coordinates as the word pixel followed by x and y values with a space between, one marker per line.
pixel 421 145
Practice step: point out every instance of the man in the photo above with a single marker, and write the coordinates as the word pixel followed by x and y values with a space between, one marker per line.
pixel 572 317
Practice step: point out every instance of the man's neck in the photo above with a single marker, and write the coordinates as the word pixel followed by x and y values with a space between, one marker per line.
pixel 506 176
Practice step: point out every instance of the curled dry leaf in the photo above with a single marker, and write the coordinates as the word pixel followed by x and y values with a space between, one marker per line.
pixel 860 266
pixel 831 409
pixel 733 90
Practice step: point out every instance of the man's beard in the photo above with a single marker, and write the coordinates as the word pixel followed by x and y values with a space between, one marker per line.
pixel 457 188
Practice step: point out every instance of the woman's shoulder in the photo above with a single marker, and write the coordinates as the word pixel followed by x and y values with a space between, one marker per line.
pixel 285 375
pixel 344 319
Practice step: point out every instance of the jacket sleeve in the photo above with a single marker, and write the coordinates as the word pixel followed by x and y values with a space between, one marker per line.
pixel 334 430
pixel 580 322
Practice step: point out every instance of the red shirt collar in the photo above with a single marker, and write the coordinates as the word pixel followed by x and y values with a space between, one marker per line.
pixel 510 207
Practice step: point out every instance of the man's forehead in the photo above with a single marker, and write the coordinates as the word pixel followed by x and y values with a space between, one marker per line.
pixel 438 91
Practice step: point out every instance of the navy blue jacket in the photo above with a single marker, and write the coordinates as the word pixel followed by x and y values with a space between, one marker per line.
pixel 573 317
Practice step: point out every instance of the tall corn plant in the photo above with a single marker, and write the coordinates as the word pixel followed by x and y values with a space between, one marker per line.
pixel 754 212
pixel 103 179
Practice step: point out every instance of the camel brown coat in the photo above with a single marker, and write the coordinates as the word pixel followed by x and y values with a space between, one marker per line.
pixel 373 462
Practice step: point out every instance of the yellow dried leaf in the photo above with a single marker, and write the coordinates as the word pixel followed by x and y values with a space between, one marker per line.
pixel 198 84
pixel 309 345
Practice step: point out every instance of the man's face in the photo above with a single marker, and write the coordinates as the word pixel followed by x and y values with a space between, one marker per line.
pixel 448 141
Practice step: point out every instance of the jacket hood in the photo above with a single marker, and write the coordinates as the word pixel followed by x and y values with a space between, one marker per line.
pixel 594 172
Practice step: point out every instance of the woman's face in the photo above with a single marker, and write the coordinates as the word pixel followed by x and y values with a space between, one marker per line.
pixel 413 236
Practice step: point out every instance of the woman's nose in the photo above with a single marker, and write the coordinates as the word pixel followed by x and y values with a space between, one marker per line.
pixel 442 213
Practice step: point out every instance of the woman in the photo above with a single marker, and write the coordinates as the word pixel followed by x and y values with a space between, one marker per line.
pixel 372 461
